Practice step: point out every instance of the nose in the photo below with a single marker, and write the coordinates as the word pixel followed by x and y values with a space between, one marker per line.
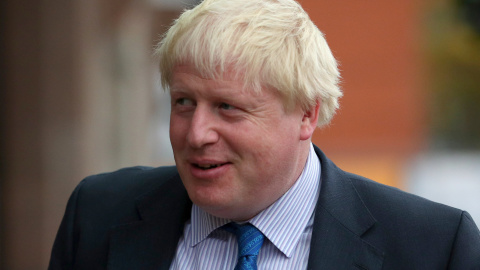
pixel 202 129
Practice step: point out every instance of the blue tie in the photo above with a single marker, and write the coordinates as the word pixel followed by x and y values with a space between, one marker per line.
pixel 250 240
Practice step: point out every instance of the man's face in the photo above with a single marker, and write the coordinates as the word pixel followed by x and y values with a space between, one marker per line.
pixel 236 151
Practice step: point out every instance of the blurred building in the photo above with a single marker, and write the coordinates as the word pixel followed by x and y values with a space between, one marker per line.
pixel 77 98
pixel 382 117
pixel 80 95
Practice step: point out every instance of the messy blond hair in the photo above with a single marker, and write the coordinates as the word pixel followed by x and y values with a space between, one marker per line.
pixel 269 43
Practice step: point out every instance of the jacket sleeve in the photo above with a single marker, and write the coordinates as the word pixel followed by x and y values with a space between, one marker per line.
pixel 64 247
pixel 465 253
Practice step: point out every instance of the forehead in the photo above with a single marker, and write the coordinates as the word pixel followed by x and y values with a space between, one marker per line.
pixel 187 77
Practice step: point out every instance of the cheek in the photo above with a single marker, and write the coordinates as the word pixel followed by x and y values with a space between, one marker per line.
pixel 254 142
pixel 258 155
pixel 178 131
pixel 273 150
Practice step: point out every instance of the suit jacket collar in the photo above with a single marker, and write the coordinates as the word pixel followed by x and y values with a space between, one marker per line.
pixel 341 218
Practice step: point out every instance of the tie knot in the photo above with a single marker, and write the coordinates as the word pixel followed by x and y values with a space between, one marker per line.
pixel 249 238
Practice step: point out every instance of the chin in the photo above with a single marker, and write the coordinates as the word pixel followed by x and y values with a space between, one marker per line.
pixel 206 198
pixel 214 205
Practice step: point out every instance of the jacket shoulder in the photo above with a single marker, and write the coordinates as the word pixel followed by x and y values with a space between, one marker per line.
pixel 113 195
pixel 408 225
pixel 383 199
pixel 98 203
pixel 130 177
pixel 372 191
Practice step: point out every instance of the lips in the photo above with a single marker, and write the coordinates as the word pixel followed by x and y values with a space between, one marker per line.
pixel 208 169
pixel 207 166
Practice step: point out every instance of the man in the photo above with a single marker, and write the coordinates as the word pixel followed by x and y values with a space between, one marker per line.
pixel 249 83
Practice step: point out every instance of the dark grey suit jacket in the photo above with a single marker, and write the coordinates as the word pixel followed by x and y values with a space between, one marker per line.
pixel 134 217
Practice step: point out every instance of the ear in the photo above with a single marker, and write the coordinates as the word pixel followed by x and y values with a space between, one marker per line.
pixel 309 121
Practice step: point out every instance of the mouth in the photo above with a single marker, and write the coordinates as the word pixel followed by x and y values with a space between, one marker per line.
pixel 207 166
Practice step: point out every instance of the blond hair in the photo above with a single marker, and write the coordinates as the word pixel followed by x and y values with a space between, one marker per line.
pixel 270 43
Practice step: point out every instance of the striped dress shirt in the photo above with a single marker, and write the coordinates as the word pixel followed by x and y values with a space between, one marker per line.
pixel 287 225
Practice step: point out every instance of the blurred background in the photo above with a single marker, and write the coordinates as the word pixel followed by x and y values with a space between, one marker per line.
pixel 80 94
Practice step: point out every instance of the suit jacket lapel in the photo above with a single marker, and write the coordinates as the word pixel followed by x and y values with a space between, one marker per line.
pixel 151 242
pixel 341 218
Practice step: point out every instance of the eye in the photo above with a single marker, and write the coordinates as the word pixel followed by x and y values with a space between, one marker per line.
pixel 184 102
pixel 226 106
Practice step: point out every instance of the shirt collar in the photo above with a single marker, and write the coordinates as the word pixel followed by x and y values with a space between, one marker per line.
pixel 284 221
